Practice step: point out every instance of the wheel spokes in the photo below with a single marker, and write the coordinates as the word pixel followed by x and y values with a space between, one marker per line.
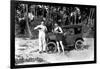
pixel 79 45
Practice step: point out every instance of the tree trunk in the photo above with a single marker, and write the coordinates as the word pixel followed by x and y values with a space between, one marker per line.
pixel 27 22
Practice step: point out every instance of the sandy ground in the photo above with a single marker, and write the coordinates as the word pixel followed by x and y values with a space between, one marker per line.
pixel 28 49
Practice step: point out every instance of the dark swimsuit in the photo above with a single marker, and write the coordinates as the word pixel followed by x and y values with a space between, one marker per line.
pixel 59 36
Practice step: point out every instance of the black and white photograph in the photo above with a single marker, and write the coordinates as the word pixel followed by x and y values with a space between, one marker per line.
pixel 44 33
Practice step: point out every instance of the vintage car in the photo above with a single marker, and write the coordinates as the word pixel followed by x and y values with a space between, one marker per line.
pixel 72 37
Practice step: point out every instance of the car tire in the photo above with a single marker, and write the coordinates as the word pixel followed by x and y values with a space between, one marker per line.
pixel 79 44
pixel 51 47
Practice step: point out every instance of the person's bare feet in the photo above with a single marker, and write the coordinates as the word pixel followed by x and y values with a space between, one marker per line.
pixel 63 53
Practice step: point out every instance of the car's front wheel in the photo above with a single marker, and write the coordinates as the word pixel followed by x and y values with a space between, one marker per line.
pixel 79 44
pixel 51 47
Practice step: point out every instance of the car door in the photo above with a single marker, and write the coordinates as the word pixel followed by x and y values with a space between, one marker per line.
pixel 69 34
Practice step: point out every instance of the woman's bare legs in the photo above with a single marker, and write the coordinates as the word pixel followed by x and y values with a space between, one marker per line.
pixel 62 46
pixel 58 46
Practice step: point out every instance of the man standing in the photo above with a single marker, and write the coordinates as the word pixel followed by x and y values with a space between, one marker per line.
pixel 42 41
